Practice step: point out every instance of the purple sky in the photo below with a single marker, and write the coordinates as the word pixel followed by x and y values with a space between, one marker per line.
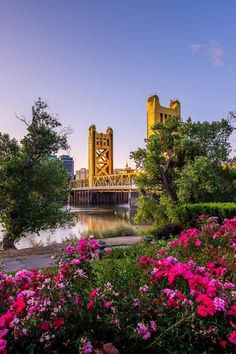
pixel 96 62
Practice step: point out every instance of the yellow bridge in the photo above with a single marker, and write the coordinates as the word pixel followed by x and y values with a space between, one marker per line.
pixel 117 182
pixel 103 186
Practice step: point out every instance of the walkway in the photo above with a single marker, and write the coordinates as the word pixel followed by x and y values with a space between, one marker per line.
pixel 40 257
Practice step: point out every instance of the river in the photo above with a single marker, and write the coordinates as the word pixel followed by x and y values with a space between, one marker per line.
pixel 89 218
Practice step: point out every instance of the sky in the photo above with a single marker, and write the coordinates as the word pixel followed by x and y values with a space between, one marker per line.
pixel 97 61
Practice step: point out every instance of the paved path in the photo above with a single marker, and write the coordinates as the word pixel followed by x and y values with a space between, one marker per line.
pixel 17 260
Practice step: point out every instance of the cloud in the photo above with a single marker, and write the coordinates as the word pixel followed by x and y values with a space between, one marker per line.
pixel 216 53
pixel 212 50
pixel 196 47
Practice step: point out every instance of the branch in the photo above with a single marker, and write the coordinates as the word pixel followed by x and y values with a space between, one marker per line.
pixel 23 120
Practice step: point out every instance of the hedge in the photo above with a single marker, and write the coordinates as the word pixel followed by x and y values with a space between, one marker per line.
pixel 189 213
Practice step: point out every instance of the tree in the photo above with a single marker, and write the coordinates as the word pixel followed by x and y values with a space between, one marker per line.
pixel 32 186
pixel 184 162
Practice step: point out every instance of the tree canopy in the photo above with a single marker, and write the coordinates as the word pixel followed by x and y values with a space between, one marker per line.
pixel 33 186
pixel 186 162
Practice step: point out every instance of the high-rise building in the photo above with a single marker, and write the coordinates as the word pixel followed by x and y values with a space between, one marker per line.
pixel 158 114
pixel 53 157
pixel 68 164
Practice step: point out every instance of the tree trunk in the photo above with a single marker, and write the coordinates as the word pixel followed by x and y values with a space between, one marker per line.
pixel 168 187
pixel 7 243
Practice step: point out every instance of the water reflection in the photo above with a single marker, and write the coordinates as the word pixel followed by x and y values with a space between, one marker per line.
pixel 91 219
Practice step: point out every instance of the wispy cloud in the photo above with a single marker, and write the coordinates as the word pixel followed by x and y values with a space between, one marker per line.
pixel 212 50
pixel 196 47
pixel 216 53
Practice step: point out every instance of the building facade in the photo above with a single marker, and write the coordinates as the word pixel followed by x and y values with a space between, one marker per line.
pixel 68 164
pixel 82 173
pixel 158 114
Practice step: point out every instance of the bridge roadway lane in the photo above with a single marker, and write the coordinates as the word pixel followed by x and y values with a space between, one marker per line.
pixel 41 257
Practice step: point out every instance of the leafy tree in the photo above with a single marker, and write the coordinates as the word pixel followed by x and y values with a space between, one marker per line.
pixel 184 162
pixel 32 186
pixel 203 181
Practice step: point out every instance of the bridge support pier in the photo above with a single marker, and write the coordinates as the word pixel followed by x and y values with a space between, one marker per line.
pixel 87 197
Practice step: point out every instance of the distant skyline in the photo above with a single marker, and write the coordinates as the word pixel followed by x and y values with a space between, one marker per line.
pixel 97 61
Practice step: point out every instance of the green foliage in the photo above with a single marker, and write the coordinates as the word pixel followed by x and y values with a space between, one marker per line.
pixel 121 229
pixel 136 251
pixel 119 266
pixel 32 186
pixel 188 214
pixel 183 162
pixel 167 231
pixel 157 212
pixel 146 210
pixel 204 181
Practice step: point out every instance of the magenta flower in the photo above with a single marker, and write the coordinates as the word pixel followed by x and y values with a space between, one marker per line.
pixel 219 304
pixel 70 249
pixel 3 346
pixel 90 305
pixel 88 348
pixel 75 261
pixel 107 304
pixel 232 337
pixel 147 335
pixel 198 243
pixel 153 326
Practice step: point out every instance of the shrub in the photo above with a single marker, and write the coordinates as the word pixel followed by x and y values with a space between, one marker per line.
pixel 188 214
pixel 167 231
pixel 136 251
pixel 181 299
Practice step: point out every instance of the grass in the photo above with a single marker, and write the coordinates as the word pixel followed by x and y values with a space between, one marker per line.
pixel 120 229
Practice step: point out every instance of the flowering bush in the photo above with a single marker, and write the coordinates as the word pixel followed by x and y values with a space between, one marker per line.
pixel 182 300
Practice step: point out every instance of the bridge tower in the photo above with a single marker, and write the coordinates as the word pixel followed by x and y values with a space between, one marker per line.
pixel 100 153
pixel 158 114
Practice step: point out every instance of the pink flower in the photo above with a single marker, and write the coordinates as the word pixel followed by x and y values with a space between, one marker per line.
pixel 107 304
pixel 3 346
pixel 75 261
pixel 77 299
pixel 6 319
pixel 3 332
pixel 147 335
pixel 202 310
pixel 90 305
pixel 219 304
pixel 144 289
pixel 19 305
pixel 232 337
pixel 198 243
pixel 94 244
pixel 208 308
pixel 153 326
pixel 70 249
pixel 94 293
pixel 223 343
pixel 143 331
pixel 88 348
pixel 58 322
pixel 136 303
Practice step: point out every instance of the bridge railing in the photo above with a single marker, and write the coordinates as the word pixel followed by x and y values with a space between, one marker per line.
pixel 116 181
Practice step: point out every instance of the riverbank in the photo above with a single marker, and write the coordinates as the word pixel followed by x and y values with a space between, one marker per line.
pixel 41 257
